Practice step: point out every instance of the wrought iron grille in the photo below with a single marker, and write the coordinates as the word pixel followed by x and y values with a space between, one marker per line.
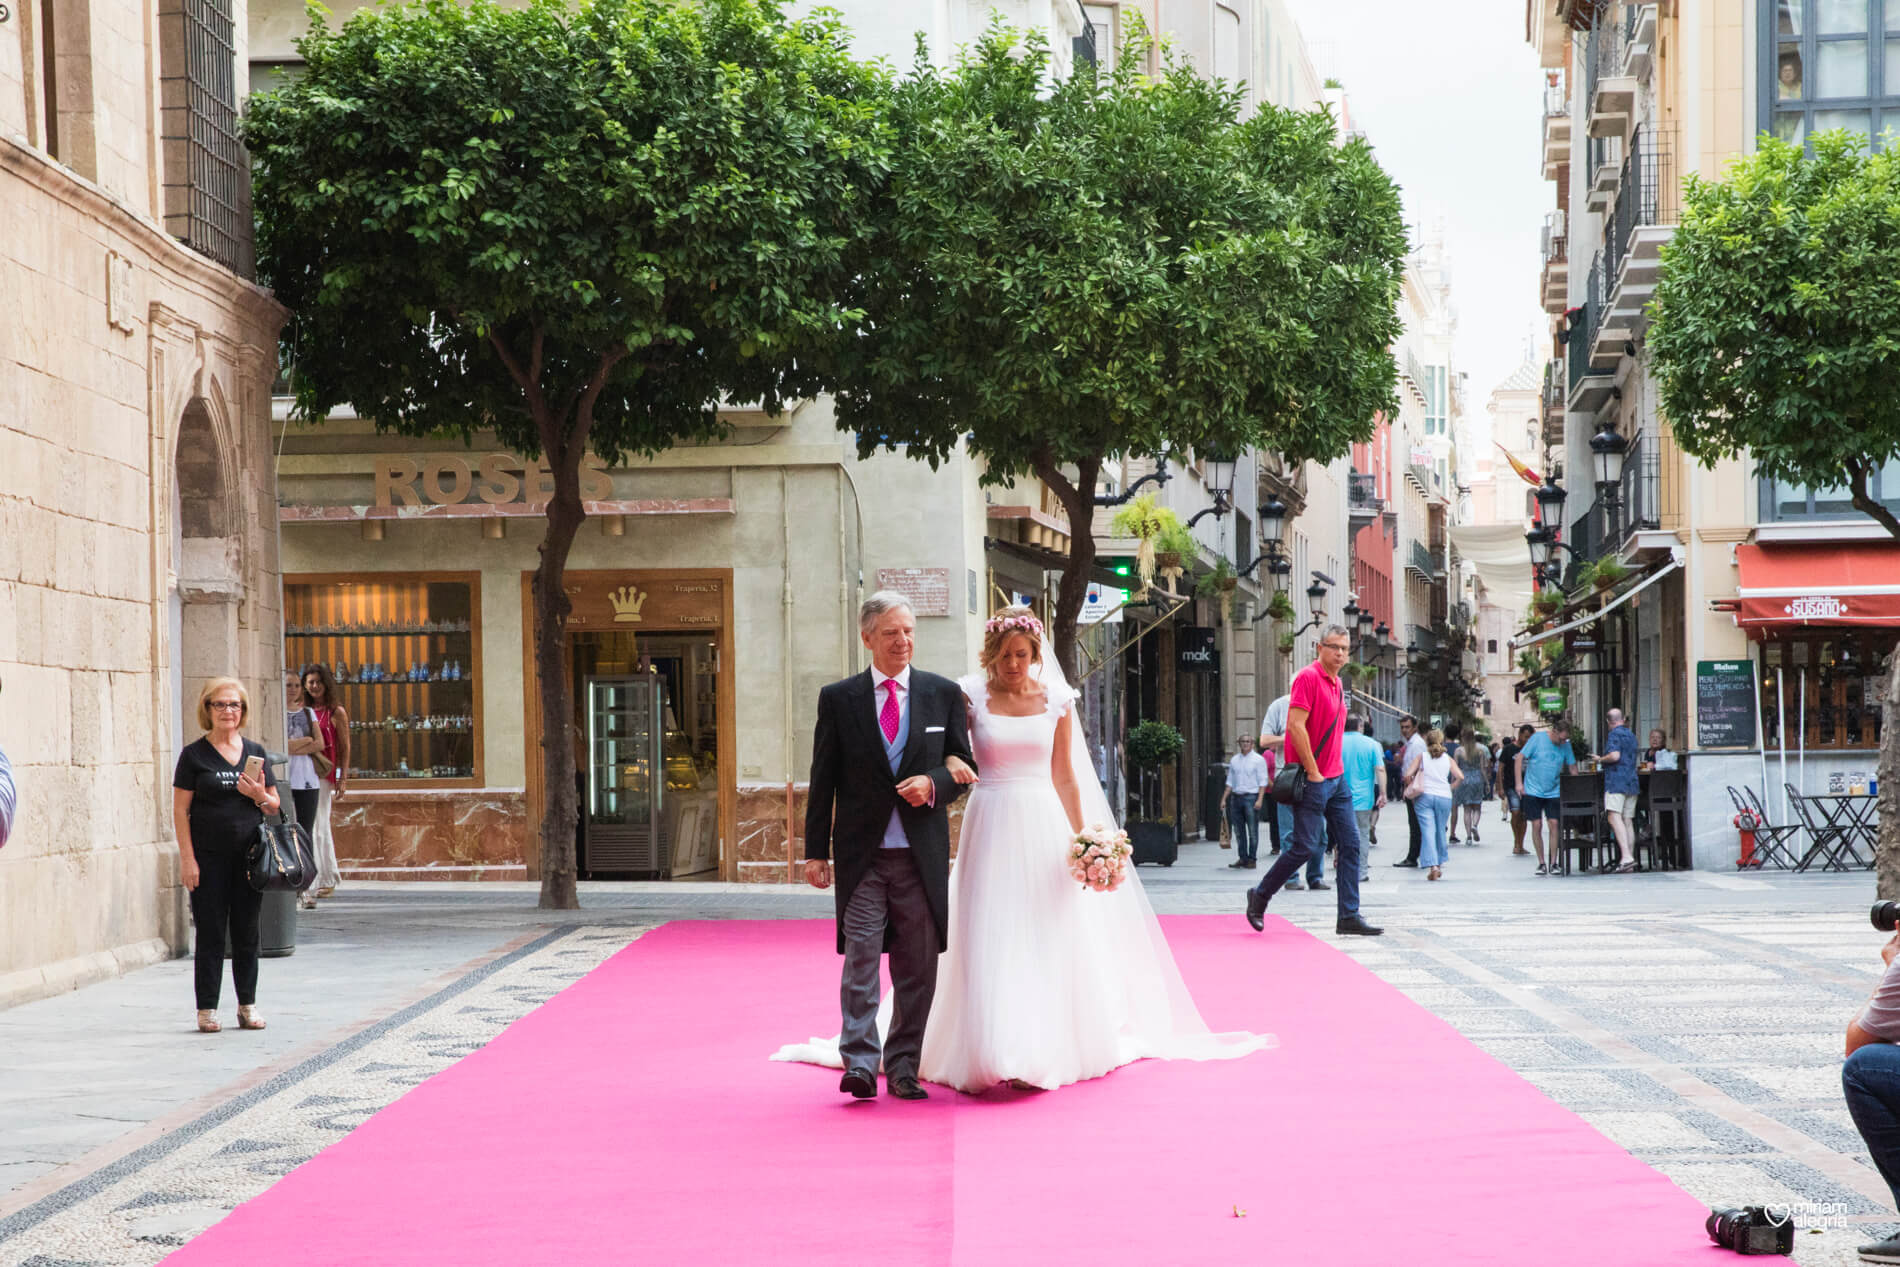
pixel 1640 494
pixel 1647 195
pixel 207 174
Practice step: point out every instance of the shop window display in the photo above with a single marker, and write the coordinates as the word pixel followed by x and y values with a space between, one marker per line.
pixel 1826 686
pixel 405 650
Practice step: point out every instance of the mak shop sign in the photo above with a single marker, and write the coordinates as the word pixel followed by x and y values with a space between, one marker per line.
pixel 1194 650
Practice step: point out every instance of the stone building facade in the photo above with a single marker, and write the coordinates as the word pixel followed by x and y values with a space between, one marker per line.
pixel 138 547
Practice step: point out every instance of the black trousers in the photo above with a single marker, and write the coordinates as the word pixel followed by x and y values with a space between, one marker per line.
pixel 225 899
pixel 1411 821
pixel 304 800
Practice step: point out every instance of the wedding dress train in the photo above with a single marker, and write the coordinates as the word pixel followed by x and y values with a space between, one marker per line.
pixel 1045 982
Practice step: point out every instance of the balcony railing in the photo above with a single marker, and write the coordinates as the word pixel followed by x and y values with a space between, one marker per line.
pixel 1362 495
pixel 1582 332
pixel 1424 562
pixel 1640 496
pixel 1555 277
pixel 1421 637
pixel 1646 195
pixel 1609 92
pixel 1588 538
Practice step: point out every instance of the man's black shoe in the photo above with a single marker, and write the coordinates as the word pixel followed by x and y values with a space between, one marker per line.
pixel 906 1088
pixel 1352 925
pixel 861 1083
pixel 1238 864
pixel 1406 862
pixel 1257 910
pixel 1319 884
pixel 1252 865
pixel 1887 1251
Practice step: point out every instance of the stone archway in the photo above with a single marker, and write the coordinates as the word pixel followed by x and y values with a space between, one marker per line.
pixel 207 561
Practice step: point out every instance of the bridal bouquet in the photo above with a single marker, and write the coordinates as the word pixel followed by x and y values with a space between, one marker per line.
pixel 1098 857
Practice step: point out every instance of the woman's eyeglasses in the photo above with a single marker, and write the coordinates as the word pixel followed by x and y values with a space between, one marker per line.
pixel 222 704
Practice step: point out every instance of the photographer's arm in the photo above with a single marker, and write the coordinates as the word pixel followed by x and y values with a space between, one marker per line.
pixel 1886 997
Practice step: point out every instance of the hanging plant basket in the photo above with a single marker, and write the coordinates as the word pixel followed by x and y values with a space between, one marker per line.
pixel 1168 563
pixel 1286 643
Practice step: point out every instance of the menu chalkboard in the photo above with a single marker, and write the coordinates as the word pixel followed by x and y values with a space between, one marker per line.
pixel 1724 704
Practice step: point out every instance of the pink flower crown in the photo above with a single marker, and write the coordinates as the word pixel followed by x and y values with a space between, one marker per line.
pixel 1027 624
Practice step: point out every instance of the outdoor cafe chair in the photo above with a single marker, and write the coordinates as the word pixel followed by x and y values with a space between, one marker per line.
pixel 1579 819
pixel 1827 840
pixel 1771 840
pixel 1665 809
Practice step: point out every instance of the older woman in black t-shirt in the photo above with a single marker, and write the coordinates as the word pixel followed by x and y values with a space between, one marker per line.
pixel 221 791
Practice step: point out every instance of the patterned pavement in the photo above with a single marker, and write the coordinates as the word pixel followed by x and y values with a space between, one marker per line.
pixel 1691 1023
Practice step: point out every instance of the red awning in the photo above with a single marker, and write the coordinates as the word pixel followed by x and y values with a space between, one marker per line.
pixel 1845 584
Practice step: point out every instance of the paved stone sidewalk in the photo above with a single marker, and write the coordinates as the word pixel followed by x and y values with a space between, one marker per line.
pixel 1695 1020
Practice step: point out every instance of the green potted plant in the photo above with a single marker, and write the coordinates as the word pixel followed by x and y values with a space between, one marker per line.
pixel 1220 584
pixel 1174 546
pixel 1151 745
pixel 1608 572
pixel 1286 642
pixel 1280 607
pixel 1143 520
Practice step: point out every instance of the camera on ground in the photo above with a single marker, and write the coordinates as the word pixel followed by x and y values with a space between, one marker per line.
pixel 1751 1229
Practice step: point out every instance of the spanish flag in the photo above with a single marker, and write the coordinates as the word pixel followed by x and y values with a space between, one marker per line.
pixel 1523 472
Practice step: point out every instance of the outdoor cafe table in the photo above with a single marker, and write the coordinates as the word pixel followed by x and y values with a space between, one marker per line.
pixel 1850 817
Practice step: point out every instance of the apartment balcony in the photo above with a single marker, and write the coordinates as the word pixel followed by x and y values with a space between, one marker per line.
pixel 1642 219
pixel 1556 130
pixel 1603 167
pixel 1610 90
pixel 1639 40
pixel 1412 377
pixel 1363 503
pixel 1551 403
pixel 1554 281
pixel 1590 385
pixel 1421 563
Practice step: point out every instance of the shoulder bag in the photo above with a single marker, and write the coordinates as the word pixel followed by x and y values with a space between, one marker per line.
pixel 1286 783
pixel 280 856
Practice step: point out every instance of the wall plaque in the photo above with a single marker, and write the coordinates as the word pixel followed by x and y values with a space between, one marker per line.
pixel 928 589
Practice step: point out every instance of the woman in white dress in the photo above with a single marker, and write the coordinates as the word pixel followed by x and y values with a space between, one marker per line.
pixel 1045 982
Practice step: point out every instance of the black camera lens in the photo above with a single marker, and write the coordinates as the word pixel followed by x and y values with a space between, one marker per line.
pixel 1886 916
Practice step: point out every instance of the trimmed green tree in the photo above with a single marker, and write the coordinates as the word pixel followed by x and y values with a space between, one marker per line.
pixel 580 228
pixel 1776 327
pixel 1119 265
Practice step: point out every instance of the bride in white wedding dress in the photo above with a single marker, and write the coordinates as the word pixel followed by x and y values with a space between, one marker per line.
pixel 1045 982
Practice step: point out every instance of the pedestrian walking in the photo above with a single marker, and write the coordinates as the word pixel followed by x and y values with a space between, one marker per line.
pixel 1365 775
pixel 333 728
pixel 221 790
pixel 304 746
pixel 1409 756
pixel 1544 758
pixel 1434 778
pixel 1473 760
pixel 1241 800
pixel 1312 737
pixel 1507 786
pixel 1621 786
pixel 1273 730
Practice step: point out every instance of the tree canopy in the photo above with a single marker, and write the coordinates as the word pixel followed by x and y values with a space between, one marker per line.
pixel 1777 316
pixel 1117 264
pixel 580 227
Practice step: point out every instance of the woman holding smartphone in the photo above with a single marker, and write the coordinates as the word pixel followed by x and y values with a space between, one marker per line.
pixel 220 793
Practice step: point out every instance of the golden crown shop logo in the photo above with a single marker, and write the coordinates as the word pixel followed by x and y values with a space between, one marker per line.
pixel 627 601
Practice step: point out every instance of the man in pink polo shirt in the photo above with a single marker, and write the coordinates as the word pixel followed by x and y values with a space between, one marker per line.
pixel 1314 740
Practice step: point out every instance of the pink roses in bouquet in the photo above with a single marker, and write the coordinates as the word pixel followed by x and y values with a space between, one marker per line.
pixel 1098 857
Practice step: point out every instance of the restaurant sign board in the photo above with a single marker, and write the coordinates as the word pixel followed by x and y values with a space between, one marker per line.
pixel 1724 704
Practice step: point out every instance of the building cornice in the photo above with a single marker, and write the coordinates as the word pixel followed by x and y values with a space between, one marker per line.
pixel 214 281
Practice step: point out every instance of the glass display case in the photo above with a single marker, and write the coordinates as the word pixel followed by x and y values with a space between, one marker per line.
pixel 626 777
pixel 405 650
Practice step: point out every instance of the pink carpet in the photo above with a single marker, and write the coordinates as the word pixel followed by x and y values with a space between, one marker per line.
pixel 636 1119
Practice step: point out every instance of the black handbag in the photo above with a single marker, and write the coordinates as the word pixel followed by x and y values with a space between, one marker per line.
pixel 1288 780
pixel 280 856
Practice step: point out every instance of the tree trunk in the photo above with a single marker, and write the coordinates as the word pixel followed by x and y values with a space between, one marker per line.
pixel 1078 499
pixel 560 805
pixel 1887 846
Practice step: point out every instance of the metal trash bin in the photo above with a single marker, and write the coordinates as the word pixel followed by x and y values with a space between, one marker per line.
pixel 1212 788
pixel 277 920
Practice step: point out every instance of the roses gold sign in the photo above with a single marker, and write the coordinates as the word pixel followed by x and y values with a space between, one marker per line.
pixel 497 479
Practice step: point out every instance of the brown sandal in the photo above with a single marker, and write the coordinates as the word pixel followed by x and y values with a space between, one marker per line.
pixel 208 1022
pixel 249 1019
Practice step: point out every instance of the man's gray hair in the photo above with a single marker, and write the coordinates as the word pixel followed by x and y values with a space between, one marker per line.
pixel 877 605
pixel 1616 717
pixel 1330 630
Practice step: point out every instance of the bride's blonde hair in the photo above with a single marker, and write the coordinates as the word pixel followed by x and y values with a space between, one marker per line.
pixel 1005 625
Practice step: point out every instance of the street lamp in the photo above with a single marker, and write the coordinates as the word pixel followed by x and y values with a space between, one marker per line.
pixel 1351 612
pixel 1550 503
pixel 1316 601
pixel 1273 524
pixel 1218 476
pixel 1365 621
pixel 1606 453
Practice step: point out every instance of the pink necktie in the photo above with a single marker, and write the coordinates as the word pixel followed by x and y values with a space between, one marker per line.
pixel 888 717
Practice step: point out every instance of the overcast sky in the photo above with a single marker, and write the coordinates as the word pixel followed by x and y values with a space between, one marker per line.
pixel 1451 98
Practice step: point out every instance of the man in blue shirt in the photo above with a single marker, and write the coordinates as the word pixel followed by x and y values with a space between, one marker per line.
pixel 1365 776
pixel 1620 788
pixel 1539 763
